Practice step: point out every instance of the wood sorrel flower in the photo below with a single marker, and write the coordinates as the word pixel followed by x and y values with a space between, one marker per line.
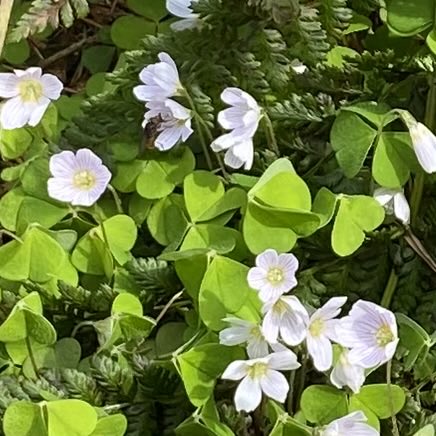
pixel 395 203
pixel 243 120
pixel 161 80
pixel 175 123
pixel 321 330
pixel 346 374
pixel 424 144
pixel 273 275
pixel 182 9
pixel 371 332
pixel 29 93
pixel 79 179
pixel 353 424
pixel 286 317
pixel 261 375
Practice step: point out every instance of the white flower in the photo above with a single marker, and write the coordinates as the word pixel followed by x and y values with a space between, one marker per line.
pixel 261 375
pixel 424 144
pixel 29 93
pixel 241 332
pixel 298 66
pixel 161 80
pixel 286 317
pixel 175 124
pixel 242 118
pixel 346 374
pixel 182 9
pixel 353 424
pixel 273 275
pixel 371 332
pixel 321 330
pixel 79 179
pixel 395 203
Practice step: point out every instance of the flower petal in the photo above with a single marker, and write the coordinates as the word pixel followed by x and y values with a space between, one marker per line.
pixel 52 86
pixel 87 160
pixel 248 395
pixel 39 111
pixel 283 360
pixel 236 370
pixel 8 85
pixel 275 385
pixel 257 347
pixel 63 164
pixel 61 189
pixel 401 208
pixel 270 326
pixel 168 138
pixel 234 335
pixel 321 351
pixel 15 114
pixel 267 259
pixel 256 278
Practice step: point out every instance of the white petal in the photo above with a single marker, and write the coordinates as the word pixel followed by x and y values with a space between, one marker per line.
pixel 231 118
pixel 368 357
pixel 234 336
pixel 8 85
pixel 231 160
pixel 271 293
pixel 52 86
pixel 295 304
pixel 267 259
pixel 84 198
pixel 424 144
pixel 331 309
pixel 248 395
pixel 236 370
pixel 14 114
pixel 289 263
pixel 257 278
pixel 292 329
pixel 270 326
pixel 168 138
pixel 321 351
pixel 190 22
pixel 63 164
pixel 87 160
pixel 384 195
pixel 179 8
pixel 401 208
pixel 283 360
pixel 39 111
pixel 275 385
pixel 34 72
pixel 257 347
pixel 178 111
pixel 61 189
pixel 244 152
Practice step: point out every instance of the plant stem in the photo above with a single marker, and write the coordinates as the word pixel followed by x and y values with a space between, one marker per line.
pixel 290 402
pixel 198 122
pixel 430 122
pixel 389 289
pixel 270 133
pixel 116 199
pixel 11 235
pixel 395 430
pixel 5 14
pixel 31 355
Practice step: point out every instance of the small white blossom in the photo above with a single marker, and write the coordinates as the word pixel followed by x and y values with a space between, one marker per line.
pixel 395 203
pixel 182 9
pixel 424 144
pixel 353 424
pixel 242 119
pixel 371 332
pixel 261 375
pixel 298 66
pixel 346 374
pixel 161 80
pixel 79 179
pixel 273 275
pixel 29 93
pixel 245 332
pixel 321 331
pixel 175 124
pixel 286 317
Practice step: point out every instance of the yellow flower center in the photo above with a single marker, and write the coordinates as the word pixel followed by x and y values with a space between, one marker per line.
pixel 316 327
pixel 275 276
pixel 256 332
pixel 84 180
pixel 280 307
pixel 257 370
pixel 30 90
pixel 384 335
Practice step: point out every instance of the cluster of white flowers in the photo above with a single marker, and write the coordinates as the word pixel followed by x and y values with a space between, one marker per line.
pixel 161 82
pixel 366 338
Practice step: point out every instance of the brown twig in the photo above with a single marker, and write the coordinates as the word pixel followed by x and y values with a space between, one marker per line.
pixel 67 51
pixel 419 249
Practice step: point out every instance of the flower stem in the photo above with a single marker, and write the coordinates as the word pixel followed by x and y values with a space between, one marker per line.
pixel 389 289
pixel 116 199
pixel 271 135
pixel 31 355
pixel 430 122
pixel 395 430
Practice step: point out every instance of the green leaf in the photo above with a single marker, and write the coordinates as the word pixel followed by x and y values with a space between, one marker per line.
pixel 9 206
pixel 324 205
pixel 428 430
pixel 155 10
pixel 323 404
pixel 34 179
pixel 38 258
pixel 357 24
pixel 409 18
pixel 378 398
pixel 356 215
pixel 13 143
pixel 127 174
pixel 351 139
pixel 378 114
pixel 139 208
pixel 201 366
pixel 217 238
pixel 128 31
pixel 63 418
pixel 225 292
pixel 113 425
pixel 287 426
pixel 25 419
pixel 355 405
pixel 391 164
pixel 127 303
pixel 160 176
pixel 431 41
pixel 202 190
pixel 97 58
pixel 338 56
pixel 95 84
pixel 16 52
